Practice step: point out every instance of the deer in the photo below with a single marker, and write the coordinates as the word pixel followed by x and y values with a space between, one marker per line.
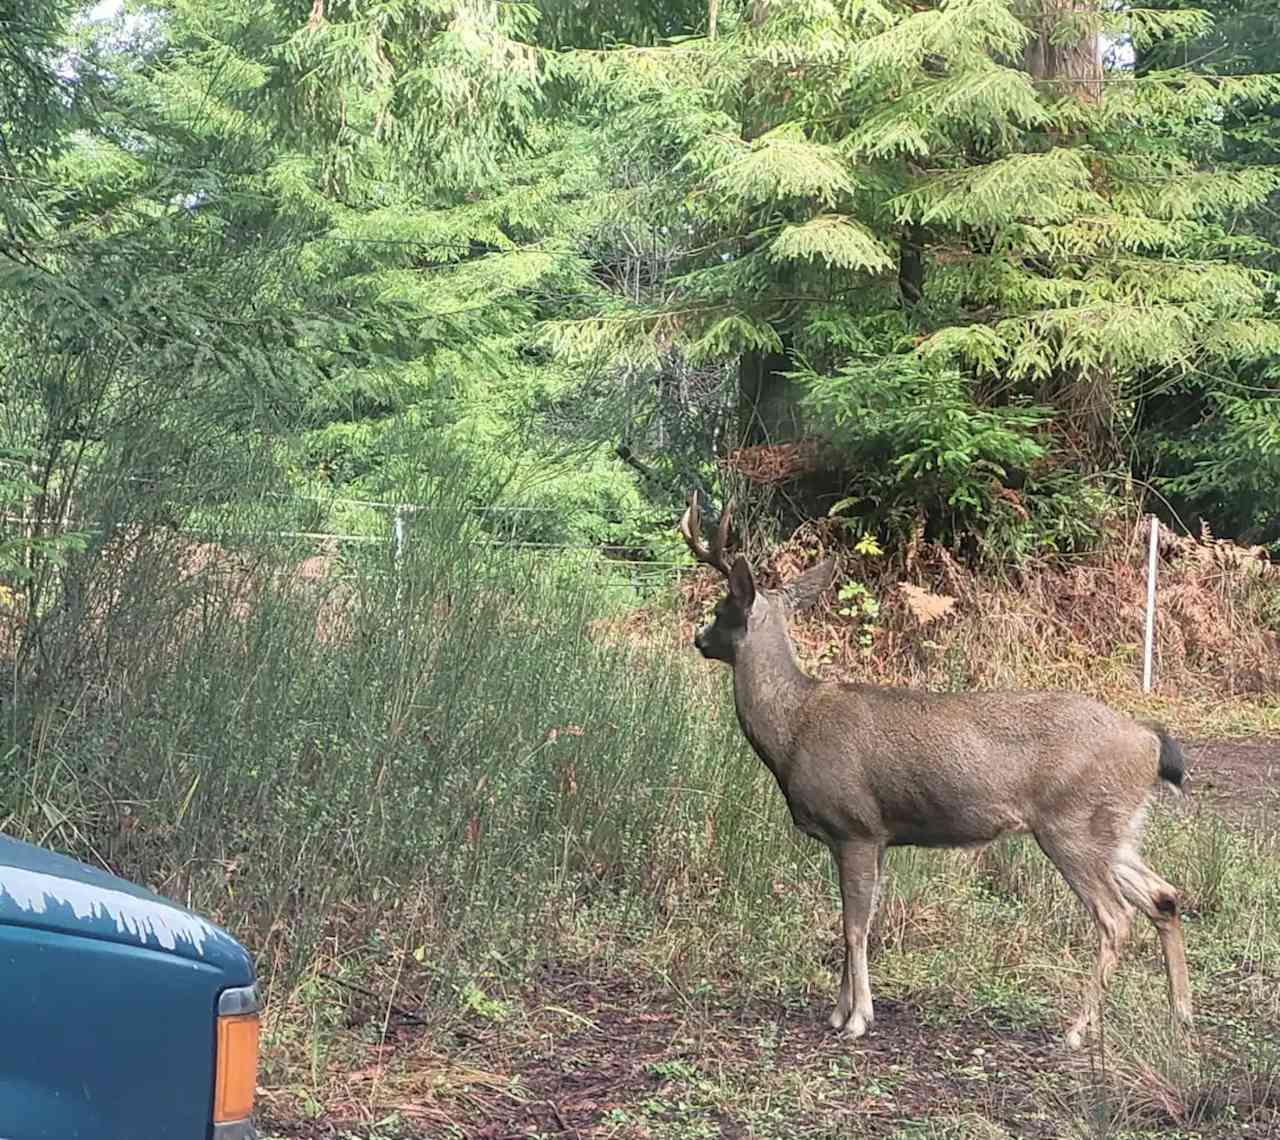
pixel 867 767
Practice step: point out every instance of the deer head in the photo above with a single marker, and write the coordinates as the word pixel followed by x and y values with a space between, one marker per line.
pixel 745 611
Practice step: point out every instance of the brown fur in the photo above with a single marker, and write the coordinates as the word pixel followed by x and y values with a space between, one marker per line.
pixel 864 768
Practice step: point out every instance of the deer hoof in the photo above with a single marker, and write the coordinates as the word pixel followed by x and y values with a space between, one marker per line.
pixel 856 1026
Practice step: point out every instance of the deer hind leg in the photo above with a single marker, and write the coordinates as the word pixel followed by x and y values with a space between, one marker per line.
pixel 1089 874
pixel 1113 918
pixel 1149 893
pixel 858 866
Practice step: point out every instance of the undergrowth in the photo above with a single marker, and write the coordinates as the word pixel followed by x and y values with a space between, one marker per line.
pixel 921 617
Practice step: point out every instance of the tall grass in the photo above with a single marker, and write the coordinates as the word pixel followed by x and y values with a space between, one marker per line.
pixel 425 757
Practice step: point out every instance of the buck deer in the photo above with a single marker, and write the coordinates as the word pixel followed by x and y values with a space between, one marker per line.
pixel 864 768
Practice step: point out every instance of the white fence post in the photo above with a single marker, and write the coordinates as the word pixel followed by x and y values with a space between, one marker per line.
pixel 1151 605
pixel 397 530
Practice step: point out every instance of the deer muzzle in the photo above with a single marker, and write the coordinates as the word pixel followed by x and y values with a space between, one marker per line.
pixel 700 641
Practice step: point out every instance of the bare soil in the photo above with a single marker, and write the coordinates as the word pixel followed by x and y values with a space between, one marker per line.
pixel 633 1062
pixel 1238 777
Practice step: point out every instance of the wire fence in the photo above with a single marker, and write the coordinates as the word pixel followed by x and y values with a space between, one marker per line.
pixel 624 573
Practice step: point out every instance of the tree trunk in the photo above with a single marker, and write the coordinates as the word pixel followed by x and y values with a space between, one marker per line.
pixel 1072 60
pixel 911 266
pixel 1065 50
pixel 768 401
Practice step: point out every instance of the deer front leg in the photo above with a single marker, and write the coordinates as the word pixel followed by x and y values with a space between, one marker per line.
pixel 858 864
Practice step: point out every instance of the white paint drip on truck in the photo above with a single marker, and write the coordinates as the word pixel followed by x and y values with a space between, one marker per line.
pixel 143 918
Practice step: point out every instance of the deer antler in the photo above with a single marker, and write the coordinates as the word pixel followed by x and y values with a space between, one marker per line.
pixel 691 527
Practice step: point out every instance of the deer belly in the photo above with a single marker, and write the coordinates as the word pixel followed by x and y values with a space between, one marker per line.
pixel 809 824
pixel 960 830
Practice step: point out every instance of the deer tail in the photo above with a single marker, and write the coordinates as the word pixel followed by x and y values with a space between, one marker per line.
pixel 1173 764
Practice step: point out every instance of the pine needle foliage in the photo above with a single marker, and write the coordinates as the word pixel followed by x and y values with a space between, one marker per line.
pixel 853 183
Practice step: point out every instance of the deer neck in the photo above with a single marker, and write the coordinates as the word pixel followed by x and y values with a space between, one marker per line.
pixel 769 689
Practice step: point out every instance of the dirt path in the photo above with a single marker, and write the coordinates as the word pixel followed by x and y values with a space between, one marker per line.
pixel 638 1054
pixel 1236 776
pixel 637 1066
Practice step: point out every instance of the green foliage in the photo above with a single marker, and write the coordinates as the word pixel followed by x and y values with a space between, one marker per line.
pixel 348 289
pixel 488 222
pixel 24 543
pixel 839 242
pixel 861 606
pixel 922 445
pixel 1230 467
pixel 826 173
pixel 33 105
pixel 1205 438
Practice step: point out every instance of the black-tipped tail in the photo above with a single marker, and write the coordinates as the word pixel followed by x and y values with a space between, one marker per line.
pixel 1173 765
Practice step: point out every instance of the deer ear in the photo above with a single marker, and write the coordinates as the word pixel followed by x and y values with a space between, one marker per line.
pixel 742 587
pixel 805 590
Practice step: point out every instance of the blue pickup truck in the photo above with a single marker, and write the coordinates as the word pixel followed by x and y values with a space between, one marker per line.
pixel 122 1016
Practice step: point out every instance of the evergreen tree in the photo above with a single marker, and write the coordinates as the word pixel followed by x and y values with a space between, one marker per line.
pixel 1210 441
pixel 972 246
pixel 965 241
pixel 371 209
pixel 444 195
